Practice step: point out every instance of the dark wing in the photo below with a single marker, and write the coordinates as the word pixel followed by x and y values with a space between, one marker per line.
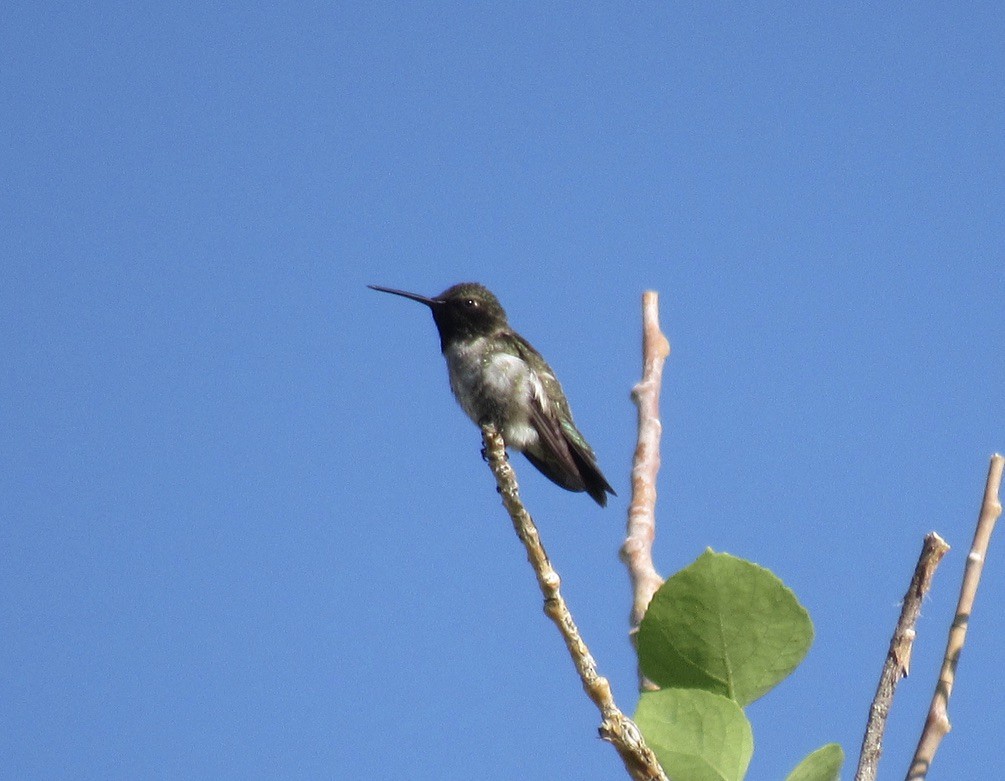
pixel 567 459
pixel 554 457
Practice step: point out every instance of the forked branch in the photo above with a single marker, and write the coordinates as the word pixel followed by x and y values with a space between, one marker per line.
pixel 937 723
pixel 615 727
pixel 637 549
pixel 898 658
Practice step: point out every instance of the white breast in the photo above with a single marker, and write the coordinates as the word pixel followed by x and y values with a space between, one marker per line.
pixel 496 386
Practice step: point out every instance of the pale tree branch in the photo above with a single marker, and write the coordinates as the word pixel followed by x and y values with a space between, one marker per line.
pixel 898 658
pixel 615 726
pixel 637 549
pixel 937 723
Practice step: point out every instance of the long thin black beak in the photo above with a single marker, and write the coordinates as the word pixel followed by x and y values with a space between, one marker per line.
pixel 430 302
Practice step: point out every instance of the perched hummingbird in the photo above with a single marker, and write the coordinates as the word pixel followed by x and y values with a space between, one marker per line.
pixel 497 377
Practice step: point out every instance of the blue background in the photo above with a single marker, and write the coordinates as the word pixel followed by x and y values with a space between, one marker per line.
pixel 246 531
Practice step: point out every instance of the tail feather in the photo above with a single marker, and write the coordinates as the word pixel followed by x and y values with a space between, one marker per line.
pixel 594 482
pixel 585 477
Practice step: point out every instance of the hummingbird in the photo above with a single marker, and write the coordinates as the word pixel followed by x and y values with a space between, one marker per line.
pixel 498 377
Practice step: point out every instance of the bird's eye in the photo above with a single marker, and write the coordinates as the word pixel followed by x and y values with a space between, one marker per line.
pixel 470 303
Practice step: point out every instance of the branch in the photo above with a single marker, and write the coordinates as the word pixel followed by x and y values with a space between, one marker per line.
pixel 937 724
pixel 898 658
pixel 637 550
pixel 615 727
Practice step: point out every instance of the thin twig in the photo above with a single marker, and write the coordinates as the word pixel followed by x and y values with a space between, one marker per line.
pixel 637 550
pixel 937 723
pixel 898 658
pixel 615 727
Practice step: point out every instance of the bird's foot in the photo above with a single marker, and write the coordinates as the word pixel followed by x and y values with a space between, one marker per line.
pixel 485 455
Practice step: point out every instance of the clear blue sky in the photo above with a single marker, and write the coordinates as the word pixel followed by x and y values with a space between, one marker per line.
pixel 246 531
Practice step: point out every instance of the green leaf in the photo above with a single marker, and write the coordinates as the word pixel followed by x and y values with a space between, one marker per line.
pixel 724 625
pixel 696 735
pixel 824 764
